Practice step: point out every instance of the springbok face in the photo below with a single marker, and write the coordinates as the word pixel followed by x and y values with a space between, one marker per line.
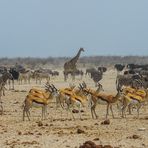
pixel 100 87
pixel 86 92
pixel 53 90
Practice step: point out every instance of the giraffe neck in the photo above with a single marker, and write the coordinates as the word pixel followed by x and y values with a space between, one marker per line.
pixel 75 59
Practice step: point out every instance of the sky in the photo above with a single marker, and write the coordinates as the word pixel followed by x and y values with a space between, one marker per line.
pixel 44 28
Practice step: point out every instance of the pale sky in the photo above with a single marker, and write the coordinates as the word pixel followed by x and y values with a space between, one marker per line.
pixel 43 28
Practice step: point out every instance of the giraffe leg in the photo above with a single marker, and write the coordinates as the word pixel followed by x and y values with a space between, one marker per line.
pixel 65 76
pixel 73 76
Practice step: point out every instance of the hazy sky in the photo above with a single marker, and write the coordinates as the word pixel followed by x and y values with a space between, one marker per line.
pixel 45 28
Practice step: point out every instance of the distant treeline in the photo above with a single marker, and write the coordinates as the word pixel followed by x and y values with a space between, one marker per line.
pixel 90 61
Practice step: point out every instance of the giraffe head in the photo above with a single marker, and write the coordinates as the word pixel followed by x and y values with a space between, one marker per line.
pixel 81 49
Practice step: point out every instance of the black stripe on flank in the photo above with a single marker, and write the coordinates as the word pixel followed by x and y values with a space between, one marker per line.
pixel 78 100
pixel 38 102
pixel 135 99
pixel 100 97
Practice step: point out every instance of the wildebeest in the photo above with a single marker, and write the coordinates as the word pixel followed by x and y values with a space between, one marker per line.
pixel 15 75
pixel 103 69
pixel 89 71
pixel 135 66
pixel 54 73
pixel 119 67
pixel 129 72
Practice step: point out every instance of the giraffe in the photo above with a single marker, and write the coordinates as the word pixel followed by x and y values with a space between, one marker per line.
pixel 70 66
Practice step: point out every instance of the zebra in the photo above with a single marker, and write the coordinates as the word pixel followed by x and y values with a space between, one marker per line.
pixel 128 80
pixel 96 76
pixel 3 79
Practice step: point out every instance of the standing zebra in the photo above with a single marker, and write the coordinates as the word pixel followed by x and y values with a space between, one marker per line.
pixel 128 80
pixel 97 76
pixel 3 79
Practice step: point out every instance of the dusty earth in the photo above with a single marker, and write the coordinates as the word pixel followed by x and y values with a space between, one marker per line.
pixel 60 131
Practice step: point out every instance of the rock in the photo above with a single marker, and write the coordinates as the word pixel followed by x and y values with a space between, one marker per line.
pixel 75 111
pixel 40 123
pixel 51 124
pixel 142 129
pixel 96 124
pixel 107 146
pixel 90 144
pixel 135 137
pixel 146 118
pixel 105 122
pixel 96 139
pixel 79 131
pixel 19 133
pixel 39 134
pixel 99 146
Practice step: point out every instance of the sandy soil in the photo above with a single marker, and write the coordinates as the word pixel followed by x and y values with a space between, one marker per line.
pixel 59 131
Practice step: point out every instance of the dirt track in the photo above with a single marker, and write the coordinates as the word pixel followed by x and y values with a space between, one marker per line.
pixel 59 131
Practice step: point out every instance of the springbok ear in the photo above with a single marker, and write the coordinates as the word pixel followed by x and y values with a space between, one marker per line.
pixel 84 84
pixel 47 86
pixel 79 87
pixel 82 87
pixel 100 86
pixel 54 87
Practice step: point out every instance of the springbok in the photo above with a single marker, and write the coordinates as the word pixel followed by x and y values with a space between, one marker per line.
pixel 95 97
pixel 38 99
pixel 70 98
pixel 136 97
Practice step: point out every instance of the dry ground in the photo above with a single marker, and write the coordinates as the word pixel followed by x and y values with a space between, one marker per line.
pixel 59 131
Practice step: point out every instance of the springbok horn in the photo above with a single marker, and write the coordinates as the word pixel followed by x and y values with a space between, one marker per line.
pixel 80 85
pixel 84 84
pixel 54 87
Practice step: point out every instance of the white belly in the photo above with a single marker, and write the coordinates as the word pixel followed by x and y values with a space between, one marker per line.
pixel 99 101
pixel 37 105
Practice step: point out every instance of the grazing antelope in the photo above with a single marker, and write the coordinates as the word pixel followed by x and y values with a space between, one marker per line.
pixel 38 98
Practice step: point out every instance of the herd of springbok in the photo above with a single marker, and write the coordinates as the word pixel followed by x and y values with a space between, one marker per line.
pixel 69 98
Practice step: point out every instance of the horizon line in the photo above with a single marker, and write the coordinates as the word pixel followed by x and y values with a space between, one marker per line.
pixel 23 57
